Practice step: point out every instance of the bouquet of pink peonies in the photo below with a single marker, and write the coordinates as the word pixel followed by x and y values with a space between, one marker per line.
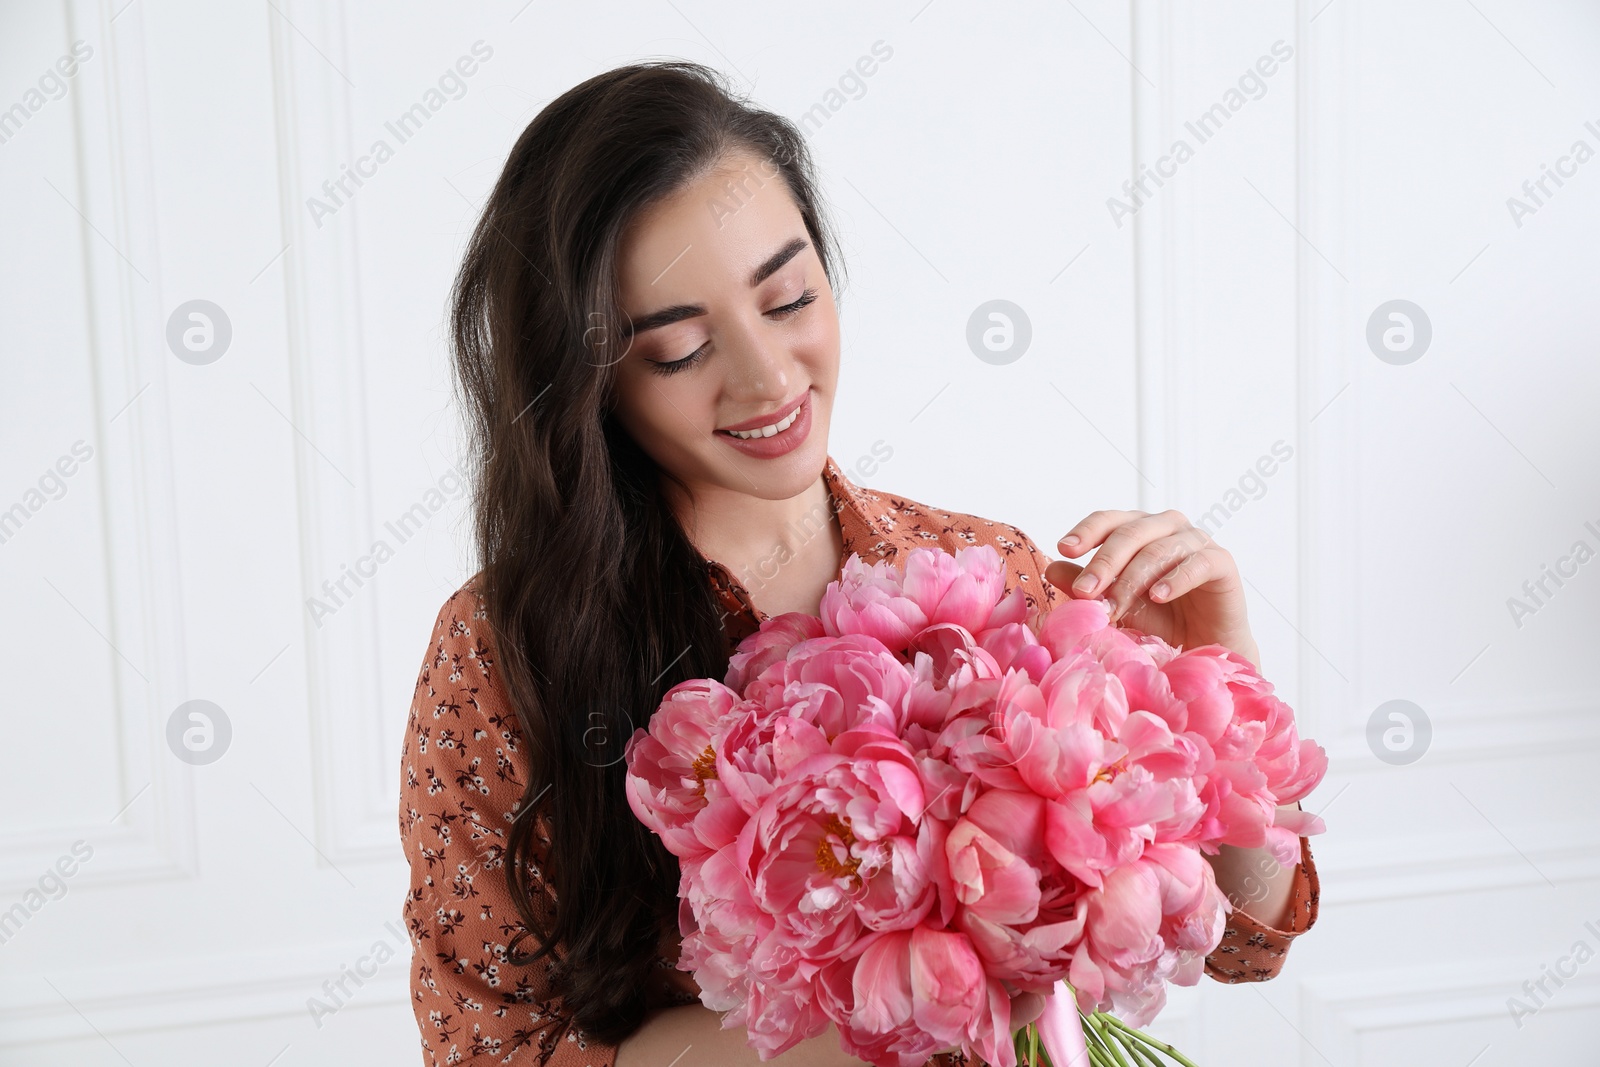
pixel 898 816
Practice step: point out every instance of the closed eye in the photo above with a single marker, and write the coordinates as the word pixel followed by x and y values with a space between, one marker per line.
pixel 790 309
pixel 787 311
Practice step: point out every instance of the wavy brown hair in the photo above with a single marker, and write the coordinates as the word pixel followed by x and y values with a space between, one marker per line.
pixel 596 599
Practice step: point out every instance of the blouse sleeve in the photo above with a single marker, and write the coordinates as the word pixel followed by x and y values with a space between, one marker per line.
pixel 461 784
pixel 1025 566
pixel 1252 951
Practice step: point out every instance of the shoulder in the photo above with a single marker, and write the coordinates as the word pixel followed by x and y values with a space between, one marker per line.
pixel 461 654
pixel 462 763
pixel 899 523
pixel 459 708
pixel 462 616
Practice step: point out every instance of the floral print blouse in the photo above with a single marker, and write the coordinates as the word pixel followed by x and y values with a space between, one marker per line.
pixel 463 767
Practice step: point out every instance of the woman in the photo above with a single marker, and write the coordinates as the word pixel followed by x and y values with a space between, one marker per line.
pixel 646 337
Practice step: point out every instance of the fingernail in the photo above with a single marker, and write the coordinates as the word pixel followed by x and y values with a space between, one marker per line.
pixel 1068 541
pixel 1086 582
pixel 1160 589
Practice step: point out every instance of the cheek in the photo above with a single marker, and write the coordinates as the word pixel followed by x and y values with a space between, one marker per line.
pixel 818 340
pixel 654 406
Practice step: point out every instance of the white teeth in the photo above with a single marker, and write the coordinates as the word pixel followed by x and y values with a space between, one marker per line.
pixel 768 431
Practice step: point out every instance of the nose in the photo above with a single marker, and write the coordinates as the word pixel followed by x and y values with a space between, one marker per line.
pixel 761 368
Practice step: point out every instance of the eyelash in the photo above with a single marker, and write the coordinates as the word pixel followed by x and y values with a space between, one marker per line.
pixel 698 354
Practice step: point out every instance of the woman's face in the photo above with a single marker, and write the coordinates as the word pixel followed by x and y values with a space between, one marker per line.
pixel 734 325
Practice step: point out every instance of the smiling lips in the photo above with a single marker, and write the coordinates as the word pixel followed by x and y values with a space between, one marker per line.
pixel 775 435
pixel 766 425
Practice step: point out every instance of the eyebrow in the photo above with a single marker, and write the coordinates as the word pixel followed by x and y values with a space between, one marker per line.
pixel 678 312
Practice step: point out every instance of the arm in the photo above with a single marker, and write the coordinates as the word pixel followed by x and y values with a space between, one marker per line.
pixel 694 1033
pixel 462 776
pixel 1253 949
pixel 1253 878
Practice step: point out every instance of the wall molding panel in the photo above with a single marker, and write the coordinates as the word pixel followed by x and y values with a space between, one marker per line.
pixel 154 837
pixel 352 752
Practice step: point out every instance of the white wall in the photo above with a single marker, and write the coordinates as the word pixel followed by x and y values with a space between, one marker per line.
pixel 208 501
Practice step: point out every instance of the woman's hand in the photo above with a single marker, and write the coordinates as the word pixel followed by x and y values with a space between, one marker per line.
pixel 1139 553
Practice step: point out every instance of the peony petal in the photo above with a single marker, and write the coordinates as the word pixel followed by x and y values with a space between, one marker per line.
pixel 947 983
pixel 881 984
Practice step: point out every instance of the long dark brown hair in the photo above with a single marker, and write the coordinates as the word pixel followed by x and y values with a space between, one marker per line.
pixel 597 601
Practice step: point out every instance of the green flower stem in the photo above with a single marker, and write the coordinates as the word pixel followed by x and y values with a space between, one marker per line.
pixel 1101 1029
pixel 1165 1049
pixel 1140 1056
pixel 1109 1041
pixel 1099 1052
pixel 1026 1044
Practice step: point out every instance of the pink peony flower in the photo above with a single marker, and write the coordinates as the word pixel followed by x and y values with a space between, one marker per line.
pixel 672 782
pixel 898 816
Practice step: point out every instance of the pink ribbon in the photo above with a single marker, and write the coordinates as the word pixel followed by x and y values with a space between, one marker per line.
pixel 1060 1029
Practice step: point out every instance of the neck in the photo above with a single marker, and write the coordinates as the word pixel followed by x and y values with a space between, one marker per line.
pixel 751 535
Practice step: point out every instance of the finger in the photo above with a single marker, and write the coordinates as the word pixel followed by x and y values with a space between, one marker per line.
pixel 1151 563
pixel 1061 572
pixel 1091 529
pixel 1210 563
pixel 1121 545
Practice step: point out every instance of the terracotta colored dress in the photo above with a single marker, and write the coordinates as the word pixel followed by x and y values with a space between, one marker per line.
pixel 463 767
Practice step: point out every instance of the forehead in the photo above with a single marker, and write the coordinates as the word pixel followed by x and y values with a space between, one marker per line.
pixel 714 231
